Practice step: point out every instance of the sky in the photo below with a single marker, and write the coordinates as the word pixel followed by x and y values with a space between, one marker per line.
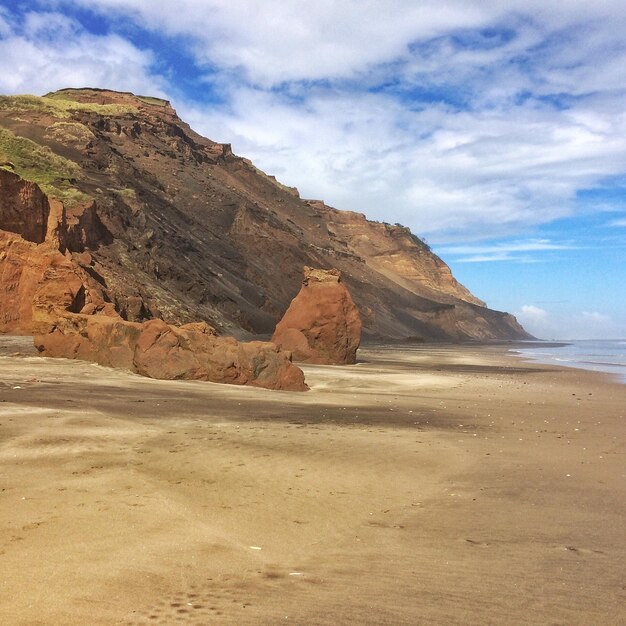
pixel 496 130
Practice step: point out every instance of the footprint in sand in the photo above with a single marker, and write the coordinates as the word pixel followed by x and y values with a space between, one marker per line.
pixel 198 606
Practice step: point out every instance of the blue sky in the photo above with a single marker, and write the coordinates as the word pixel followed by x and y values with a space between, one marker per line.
pixel 496 130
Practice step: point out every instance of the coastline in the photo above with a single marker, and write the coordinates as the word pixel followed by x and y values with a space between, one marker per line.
pixel 430 483
pixel 606 355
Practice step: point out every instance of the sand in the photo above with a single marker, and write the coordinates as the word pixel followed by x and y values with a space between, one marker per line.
pixel 424 485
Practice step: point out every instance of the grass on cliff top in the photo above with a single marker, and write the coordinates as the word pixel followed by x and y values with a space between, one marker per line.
pixel 71 94
pixel 40 165
pixel 420 242
pixel 152 100
pixel 60 106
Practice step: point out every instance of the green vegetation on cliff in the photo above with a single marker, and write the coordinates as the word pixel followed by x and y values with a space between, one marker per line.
pixel 71 133
pixel 59 105
pixel 53 173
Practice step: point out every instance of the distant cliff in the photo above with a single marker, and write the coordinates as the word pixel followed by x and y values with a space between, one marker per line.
pixel 166 223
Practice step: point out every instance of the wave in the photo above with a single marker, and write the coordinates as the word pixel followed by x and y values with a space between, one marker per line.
pixel 606 356
pixel 581 361
pixel 612 363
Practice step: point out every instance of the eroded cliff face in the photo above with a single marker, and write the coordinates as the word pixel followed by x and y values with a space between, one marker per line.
pixel 176 226
pixel 394 252
pixel 51 287
pixel 39 279
pixel 24 208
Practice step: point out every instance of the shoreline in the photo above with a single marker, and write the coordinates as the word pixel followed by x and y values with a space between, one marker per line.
pixel 584 361
pixel 430 483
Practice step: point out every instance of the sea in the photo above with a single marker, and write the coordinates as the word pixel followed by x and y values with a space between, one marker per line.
pixel 600 355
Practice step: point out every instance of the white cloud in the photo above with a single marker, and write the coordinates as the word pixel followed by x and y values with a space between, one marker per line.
pixel 621 222
pixel 288 41
pixel 533 314
pixel 557 325
pixel 49 25
pixel 511 251
pixel 49 51
pixel 285 41
pixel 594 316
pixel 477 134
pixel 469 173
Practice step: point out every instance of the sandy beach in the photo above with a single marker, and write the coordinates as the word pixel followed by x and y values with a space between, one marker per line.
pixel 424 485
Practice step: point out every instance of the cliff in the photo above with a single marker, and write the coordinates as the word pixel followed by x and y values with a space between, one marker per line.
pixel 171 225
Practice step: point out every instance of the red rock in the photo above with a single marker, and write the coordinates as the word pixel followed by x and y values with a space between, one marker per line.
pixel 36 281
pixel 48 288
pixel 322 324
pixel 159 350
pixel 24 208
pixel 75 228
pixel 34 274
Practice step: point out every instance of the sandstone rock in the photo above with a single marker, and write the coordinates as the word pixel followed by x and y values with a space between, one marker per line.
pixel 24 208
pixel 37 281
pixel 34 274
pixel 159 350
pixel 395 252
pixel 75 228
pixel 322 324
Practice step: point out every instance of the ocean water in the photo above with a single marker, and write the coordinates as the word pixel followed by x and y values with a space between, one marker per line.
pixel 600 355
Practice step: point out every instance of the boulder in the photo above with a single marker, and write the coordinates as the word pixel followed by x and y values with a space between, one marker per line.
pixel 322 324
pixel 159 350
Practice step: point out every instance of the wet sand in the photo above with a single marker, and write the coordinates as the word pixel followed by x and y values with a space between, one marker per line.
pixel 424 485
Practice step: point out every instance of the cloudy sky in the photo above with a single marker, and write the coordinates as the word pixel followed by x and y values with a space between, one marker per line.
pixel 495 129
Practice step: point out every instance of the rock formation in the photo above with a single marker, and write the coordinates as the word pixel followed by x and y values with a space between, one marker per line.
pixel 34 273
pixel 178 227
pixel 38 279
pixel 159 350
pixel 24 207
pixel 322 324
pixel 63 300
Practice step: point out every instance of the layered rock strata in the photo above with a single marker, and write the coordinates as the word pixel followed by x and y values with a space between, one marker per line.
pixel 322 324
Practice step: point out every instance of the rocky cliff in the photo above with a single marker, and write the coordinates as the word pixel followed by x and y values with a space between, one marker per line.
pixel 50 287
pixel 171 225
